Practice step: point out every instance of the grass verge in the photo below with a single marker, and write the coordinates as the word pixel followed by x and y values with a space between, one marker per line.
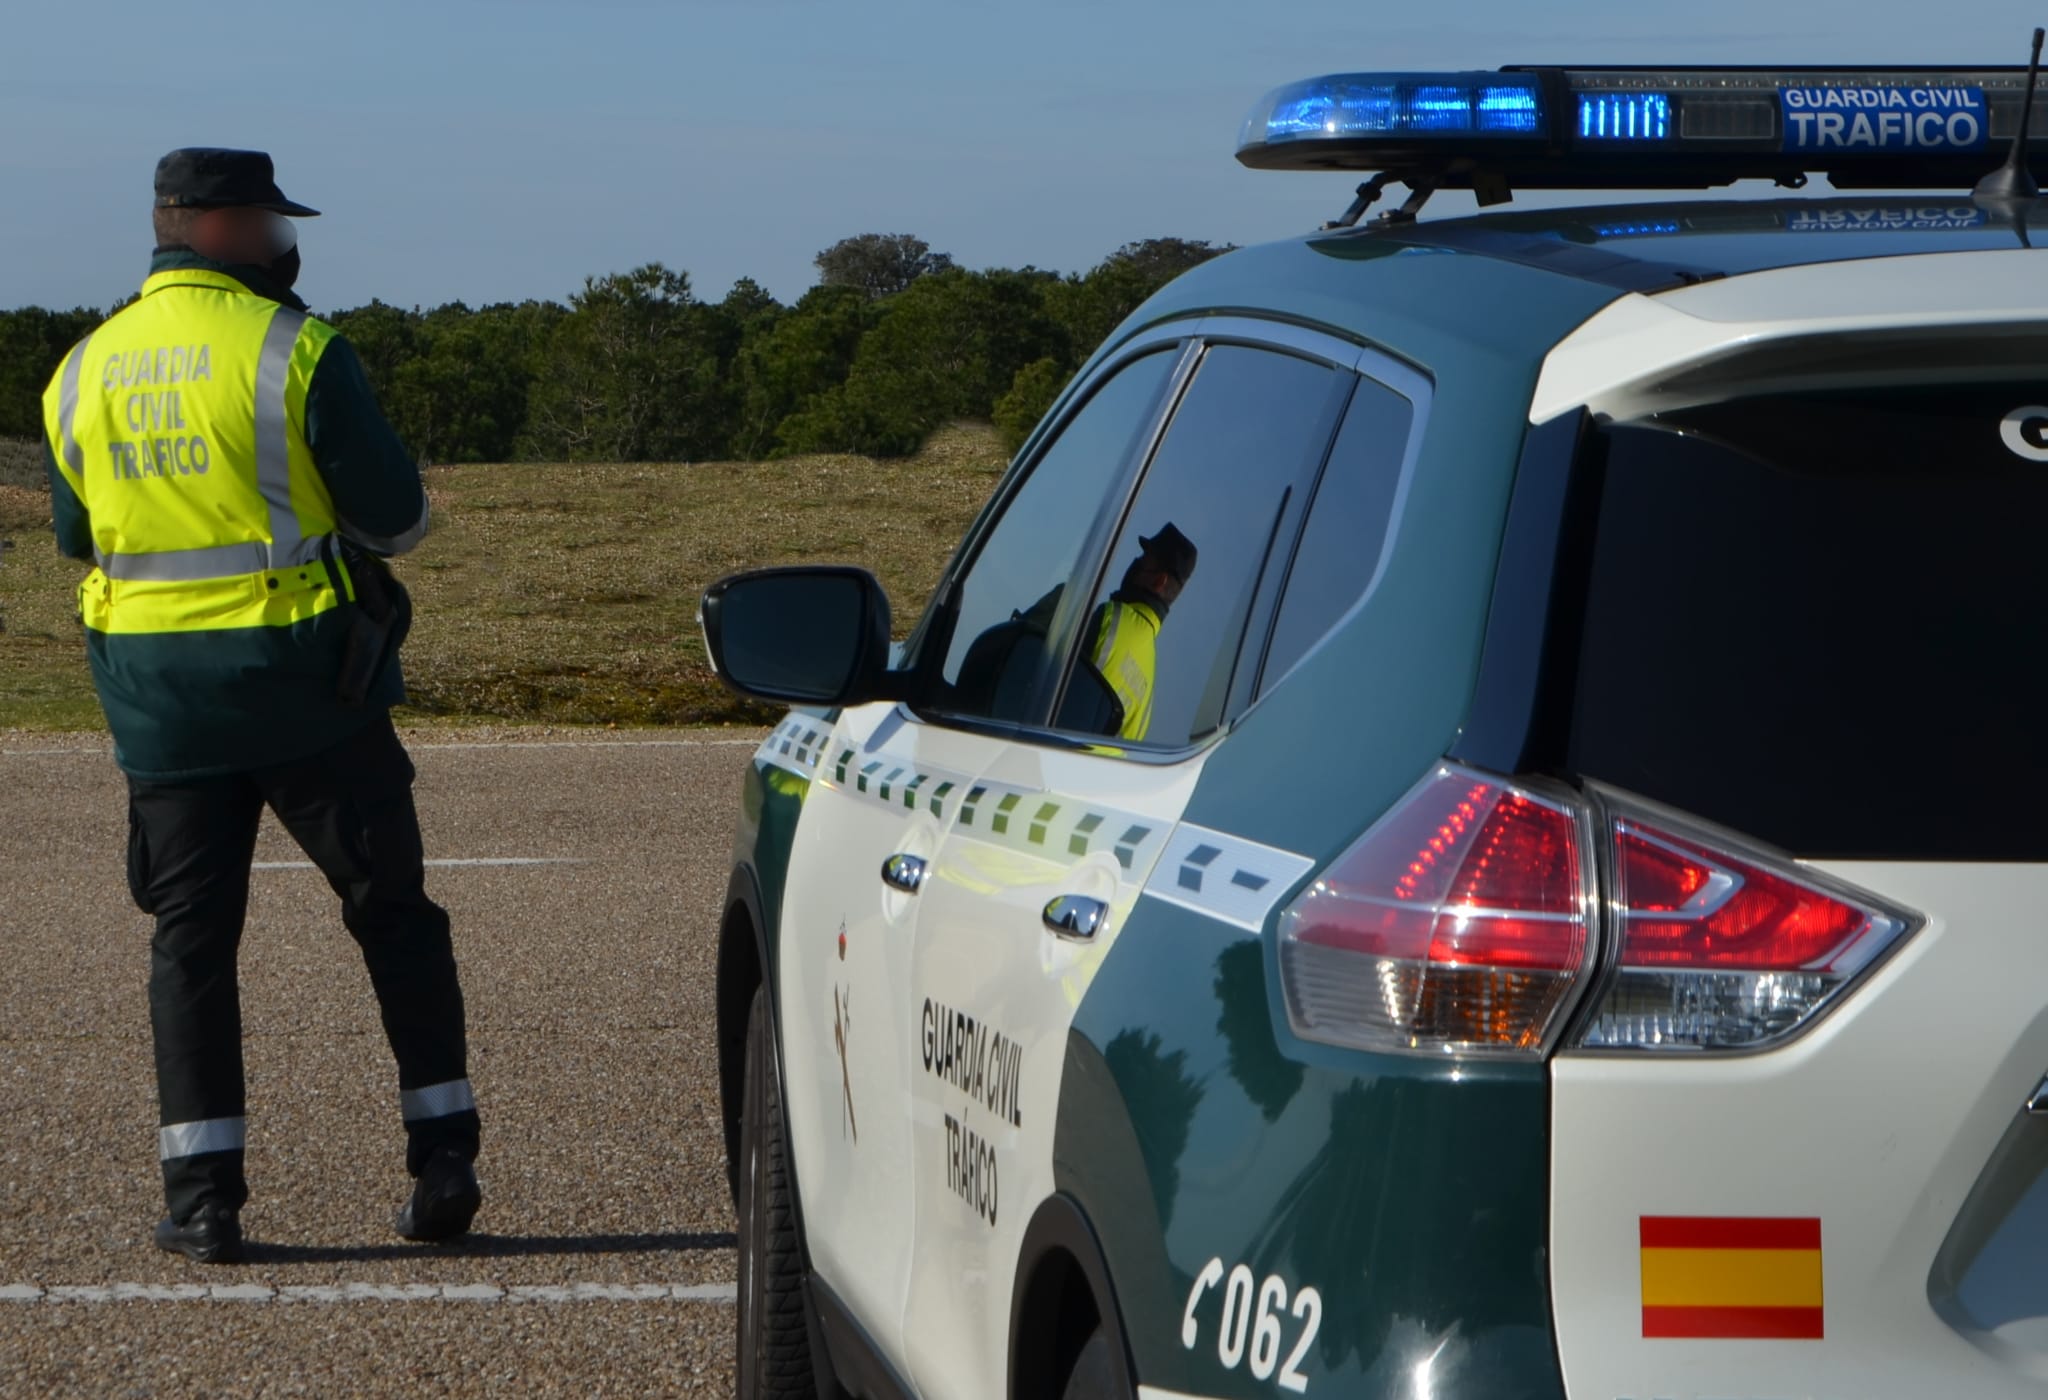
pixel 566 594
pixel 21 463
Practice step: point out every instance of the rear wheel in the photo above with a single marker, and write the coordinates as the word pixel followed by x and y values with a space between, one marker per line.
pixel 774 1338
pixel 1097 1373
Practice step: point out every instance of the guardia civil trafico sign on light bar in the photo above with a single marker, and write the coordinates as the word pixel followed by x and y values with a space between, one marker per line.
pixel 1642 128
pixel 1885 118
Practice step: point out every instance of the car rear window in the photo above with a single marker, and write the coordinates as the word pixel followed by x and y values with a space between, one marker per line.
pixel 1818 618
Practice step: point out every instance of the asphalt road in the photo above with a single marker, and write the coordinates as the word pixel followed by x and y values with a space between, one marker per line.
pixel 603 1257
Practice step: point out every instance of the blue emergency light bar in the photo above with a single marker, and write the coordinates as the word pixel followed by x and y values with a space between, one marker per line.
pixel 1648 128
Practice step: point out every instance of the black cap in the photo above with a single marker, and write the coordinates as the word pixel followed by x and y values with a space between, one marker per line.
pixel 206 177
pixel 1173 549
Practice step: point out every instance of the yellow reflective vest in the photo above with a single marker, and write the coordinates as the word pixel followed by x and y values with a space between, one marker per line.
pixel 1126 652
pixel 218 607
pixel 180 424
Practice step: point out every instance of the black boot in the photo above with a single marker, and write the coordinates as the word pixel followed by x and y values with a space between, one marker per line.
pixel 444 1199
pixel 212 1235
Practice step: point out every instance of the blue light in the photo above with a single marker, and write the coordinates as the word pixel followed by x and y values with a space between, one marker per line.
pixel 1439 107
pixel 1398 104
pixel 1648 228
pixel 1624 116
pixel 1508 109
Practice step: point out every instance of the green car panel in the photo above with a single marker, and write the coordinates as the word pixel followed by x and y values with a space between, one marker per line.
pixel 1379 1181
pixel 1188 1133
pixel 1383 694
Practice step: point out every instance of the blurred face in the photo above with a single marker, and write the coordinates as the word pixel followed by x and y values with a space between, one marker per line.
pixel 1169 586
pixel 254 236
pixel 1150 573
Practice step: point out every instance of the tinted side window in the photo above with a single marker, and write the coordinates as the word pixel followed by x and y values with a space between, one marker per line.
pixel 1010 595
pixel 1816 618
pixel 1347 525
pixel 1161 641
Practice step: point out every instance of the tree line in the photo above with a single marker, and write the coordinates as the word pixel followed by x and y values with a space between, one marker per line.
pixel 894 340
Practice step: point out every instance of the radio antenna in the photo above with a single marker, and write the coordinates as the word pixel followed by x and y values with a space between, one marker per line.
pixel 2013 180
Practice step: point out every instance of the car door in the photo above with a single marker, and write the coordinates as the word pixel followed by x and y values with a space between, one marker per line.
pixel 1068 821
pixel 845 954
pixel 888 786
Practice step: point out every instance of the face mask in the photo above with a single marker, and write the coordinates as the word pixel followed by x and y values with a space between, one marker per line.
pixel 284 268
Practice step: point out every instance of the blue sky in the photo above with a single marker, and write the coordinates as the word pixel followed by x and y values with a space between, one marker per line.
pixel 501 150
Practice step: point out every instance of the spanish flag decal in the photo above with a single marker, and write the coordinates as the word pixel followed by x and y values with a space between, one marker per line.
pixel 1731 1276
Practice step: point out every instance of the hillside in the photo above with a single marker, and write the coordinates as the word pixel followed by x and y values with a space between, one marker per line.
pixel 567 594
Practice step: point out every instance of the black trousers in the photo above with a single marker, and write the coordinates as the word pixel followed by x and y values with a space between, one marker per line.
pixel 189 848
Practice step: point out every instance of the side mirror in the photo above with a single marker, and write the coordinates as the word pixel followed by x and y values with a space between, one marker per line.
pixel 800 636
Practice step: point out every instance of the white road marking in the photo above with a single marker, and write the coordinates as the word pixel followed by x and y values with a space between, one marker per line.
pixel 103 750
pixel 600 744
pixel 445 861
pixel 370 1293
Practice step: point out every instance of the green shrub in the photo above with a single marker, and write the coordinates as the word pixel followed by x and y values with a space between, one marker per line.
pixel 1030 395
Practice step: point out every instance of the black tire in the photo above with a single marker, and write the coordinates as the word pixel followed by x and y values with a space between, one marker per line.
pixel 774 1347
pixel 1097 1373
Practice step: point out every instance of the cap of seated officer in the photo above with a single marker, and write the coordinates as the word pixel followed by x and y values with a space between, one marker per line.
pixel 225 205
pixel 1169 558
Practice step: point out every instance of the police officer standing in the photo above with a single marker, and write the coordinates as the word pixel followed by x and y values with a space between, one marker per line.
pixel 217 455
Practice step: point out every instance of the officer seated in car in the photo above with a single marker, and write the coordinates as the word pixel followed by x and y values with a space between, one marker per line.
pixel 1111 690
pixel 1125 628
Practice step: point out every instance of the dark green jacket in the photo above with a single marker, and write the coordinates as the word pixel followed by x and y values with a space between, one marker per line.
pixel 198 704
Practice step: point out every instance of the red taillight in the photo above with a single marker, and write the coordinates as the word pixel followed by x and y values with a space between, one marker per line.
pixel 1458 923
pixel 1462 922
pixel 1683 906
pixel 1517 900
pixel 1724 947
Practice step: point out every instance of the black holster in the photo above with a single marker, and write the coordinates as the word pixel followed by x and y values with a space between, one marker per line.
pixel 381 618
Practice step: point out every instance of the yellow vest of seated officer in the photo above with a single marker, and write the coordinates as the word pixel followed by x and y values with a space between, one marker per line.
pixel 1126 654
pixel 181 424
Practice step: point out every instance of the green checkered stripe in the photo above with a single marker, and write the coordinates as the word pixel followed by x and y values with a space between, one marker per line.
pixel 796 746
pixel 1038 822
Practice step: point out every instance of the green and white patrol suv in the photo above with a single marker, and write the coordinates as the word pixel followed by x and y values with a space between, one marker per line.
pixel 1550 903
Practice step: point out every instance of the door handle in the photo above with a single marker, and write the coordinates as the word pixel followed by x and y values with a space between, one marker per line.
pixel 1075 917
pixel 906 873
